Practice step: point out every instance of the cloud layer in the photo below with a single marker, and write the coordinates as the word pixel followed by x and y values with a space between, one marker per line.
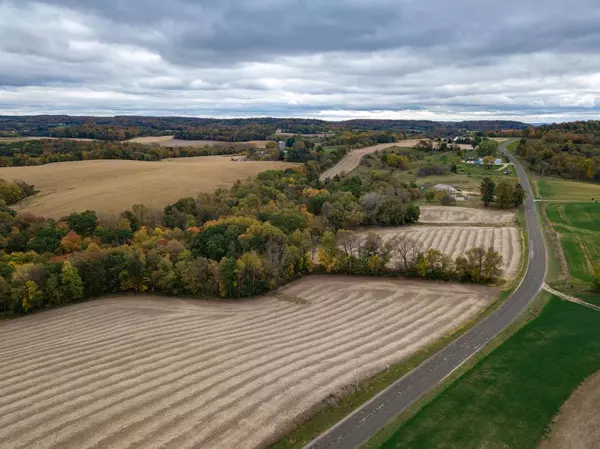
pixel 447 60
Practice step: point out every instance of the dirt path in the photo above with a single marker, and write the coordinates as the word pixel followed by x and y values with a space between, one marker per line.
pixel 571 298
pixel 352 159
pixel 578 424
pixel 150 372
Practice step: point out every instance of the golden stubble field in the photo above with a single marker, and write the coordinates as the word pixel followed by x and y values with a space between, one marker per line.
pixel 149 372
pixel 112 186
pixel 171 141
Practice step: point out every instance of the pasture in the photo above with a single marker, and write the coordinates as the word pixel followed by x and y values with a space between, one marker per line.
pixel 557 189
pixel 170 141
pixel 111 186
pixel 509 398
pixel 456 240
pixel 578 225
pixel 163 372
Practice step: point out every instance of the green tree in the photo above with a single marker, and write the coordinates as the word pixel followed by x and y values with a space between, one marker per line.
pixel 487 190
pixel 504 193
pixel 47 241
pixel 84 223
pixel 487 148
pixel 492 265
pixel 71 286
pixel 518 196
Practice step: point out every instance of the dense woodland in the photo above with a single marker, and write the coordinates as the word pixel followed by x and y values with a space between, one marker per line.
pixel 557 154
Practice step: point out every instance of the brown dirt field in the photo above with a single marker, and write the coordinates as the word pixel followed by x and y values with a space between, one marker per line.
pixel 578 424
pixel 466 215
pixel 456 240
pixel 111 186
pixel 352 159
pixel 170 141
pixel 150 372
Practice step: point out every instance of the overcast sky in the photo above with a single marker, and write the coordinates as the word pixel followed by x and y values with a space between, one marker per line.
pixel 529 60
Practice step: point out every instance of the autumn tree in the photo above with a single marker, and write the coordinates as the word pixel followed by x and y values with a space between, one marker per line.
pixel 71 242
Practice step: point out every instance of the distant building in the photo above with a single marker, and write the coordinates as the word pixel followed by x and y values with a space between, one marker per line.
pixel 498 162
pixel 281 145
pixel 450 190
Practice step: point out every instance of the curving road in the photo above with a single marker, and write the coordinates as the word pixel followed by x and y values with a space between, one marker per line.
pixel 370 418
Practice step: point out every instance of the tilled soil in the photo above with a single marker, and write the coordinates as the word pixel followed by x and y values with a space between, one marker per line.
pixel 465 215
pixel 148 372
pixel 456 240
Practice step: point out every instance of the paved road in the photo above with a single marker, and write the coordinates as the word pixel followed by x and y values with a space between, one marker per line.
pixel 369 419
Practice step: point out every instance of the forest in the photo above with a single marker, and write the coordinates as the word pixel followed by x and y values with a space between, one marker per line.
pixel 557 154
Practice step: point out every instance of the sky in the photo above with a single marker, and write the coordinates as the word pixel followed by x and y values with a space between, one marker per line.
pixel 535 61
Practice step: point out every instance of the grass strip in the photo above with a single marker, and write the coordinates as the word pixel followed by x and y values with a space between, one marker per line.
pixel 510 397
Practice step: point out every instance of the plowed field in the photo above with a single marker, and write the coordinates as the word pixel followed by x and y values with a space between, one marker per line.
pixel 465 215
pixel 147 372
pixel 456 240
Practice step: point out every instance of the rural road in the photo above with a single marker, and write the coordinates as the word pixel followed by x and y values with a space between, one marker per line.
pixel 351 160
pixel 365 422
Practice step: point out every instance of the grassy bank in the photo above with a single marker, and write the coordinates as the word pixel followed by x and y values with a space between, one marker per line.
pixel 508 399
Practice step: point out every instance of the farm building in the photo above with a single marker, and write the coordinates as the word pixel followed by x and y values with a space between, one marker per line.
pixel 446 188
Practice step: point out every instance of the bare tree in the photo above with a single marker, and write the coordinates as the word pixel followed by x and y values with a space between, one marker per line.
pixel 276 253
pixel 407 249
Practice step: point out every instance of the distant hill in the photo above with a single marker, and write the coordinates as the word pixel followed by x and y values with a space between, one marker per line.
pixel 127 127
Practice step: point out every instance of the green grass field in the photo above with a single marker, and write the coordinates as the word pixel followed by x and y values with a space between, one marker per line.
pixel 579 227
pixel 563 190
pixel 510 397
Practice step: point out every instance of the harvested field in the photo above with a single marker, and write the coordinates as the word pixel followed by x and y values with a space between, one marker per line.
pixel 111 186
pixel 465 215
pixel 456 240
pixel 170 141
pixel 578 423
pixel 151 372
pixel 352 159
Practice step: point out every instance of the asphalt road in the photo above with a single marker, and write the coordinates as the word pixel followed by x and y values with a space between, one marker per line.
pixel 365 422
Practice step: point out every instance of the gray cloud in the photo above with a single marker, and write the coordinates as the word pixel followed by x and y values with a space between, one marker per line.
pixel 535 61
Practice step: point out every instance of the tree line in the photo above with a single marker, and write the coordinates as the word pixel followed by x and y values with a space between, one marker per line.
pixel 351 253
pixel 45 151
